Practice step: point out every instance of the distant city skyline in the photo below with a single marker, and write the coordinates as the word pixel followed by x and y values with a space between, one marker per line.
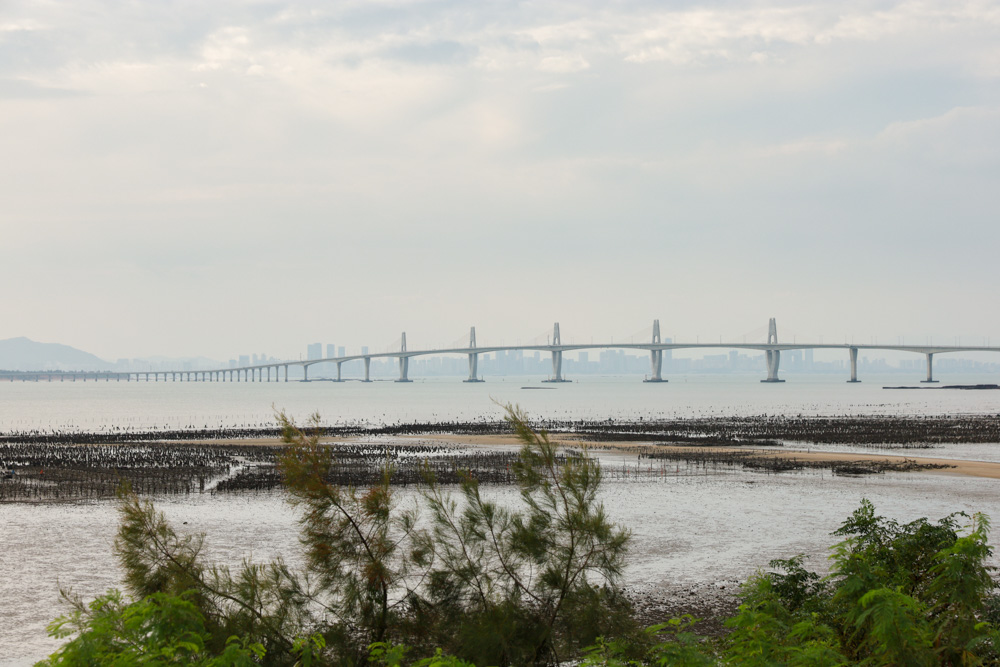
pixel 211 179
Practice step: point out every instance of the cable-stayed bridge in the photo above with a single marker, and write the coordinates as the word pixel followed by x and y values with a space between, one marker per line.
pixel 272 371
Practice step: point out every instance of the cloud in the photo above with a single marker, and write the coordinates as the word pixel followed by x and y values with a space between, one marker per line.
pixel 17 89
pixel 563 64
pixel 336 153
pixel 963 136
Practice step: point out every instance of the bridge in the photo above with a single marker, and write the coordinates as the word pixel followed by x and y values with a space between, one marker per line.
pixel 772 350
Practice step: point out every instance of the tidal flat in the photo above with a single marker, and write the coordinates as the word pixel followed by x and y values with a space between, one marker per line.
pixel 699 528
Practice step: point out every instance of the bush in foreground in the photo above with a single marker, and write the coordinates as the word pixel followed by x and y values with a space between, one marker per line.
pixel 916 594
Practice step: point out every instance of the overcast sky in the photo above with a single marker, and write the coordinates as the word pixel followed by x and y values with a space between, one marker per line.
pixel 214 178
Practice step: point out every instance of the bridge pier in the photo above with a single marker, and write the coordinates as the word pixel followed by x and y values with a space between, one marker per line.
pixel 473 358
pixel 556 357
pixel 854 365
pixel 368 364
pixel 404 362
pixel 305 372
pixel 930 369
pixel 773 356
pixel 339 369
pixel 286 372
pixel 404 369
pixel 655 357
pixel 474 368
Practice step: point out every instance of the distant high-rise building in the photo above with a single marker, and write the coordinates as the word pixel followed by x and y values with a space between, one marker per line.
pixel 341 351
pixel 364 349
pixel 314 351
pixel 331 350
pixel 244 360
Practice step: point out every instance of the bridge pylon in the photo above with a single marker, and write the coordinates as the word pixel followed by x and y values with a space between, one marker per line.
pixel 404 362
pixel 773 356
pixel 656 357
pixel 556 356
pixel 473 357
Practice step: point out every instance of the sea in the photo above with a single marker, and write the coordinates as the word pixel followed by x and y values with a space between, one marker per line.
pixel 710 529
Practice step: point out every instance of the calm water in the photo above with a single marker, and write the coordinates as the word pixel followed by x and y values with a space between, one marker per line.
pixel 93 406
pixel 688 530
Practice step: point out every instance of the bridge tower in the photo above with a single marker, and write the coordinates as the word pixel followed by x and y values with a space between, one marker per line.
pixel 404 362
pixel 656 356
pixel 556 356
pixel 773 356
pixel 473 358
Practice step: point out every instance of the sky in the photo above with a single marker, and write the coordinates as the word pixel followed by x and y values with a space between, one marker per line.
pixel 190 178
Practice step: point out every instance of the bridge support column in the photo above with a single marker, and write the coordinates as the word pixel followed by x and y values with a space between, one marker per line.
pixel 339 378
pixel 305 373
pixel 473 357
pixel 474 368
pixel 773 356
pixel 286 372
pixel 368 365
pixel 655 366
pixel 773 360
pixel 656 357
pixel 404 369
pixel 268 373
pixel 930 368
pixel 854 365
pixel 404 362
pixel 556 357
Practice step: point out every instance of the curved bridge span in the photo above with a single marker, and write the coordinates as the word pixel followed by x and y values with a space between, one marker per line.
pixel 772 350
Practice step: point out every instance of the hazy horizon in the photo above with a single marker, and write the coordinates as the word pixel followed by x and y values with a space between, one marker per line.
pixel 236 177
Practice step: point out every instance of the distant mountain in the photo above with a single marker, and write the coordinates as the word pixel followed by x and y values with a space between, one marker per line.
pixel 23 354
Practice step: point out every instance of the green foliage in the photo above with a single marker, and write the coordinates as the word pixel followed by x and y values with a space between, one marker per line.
pixel 523 586
pixel 354 539
pixel 386 654
pixel 670 643
pixel 160 629
pixel 898 594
